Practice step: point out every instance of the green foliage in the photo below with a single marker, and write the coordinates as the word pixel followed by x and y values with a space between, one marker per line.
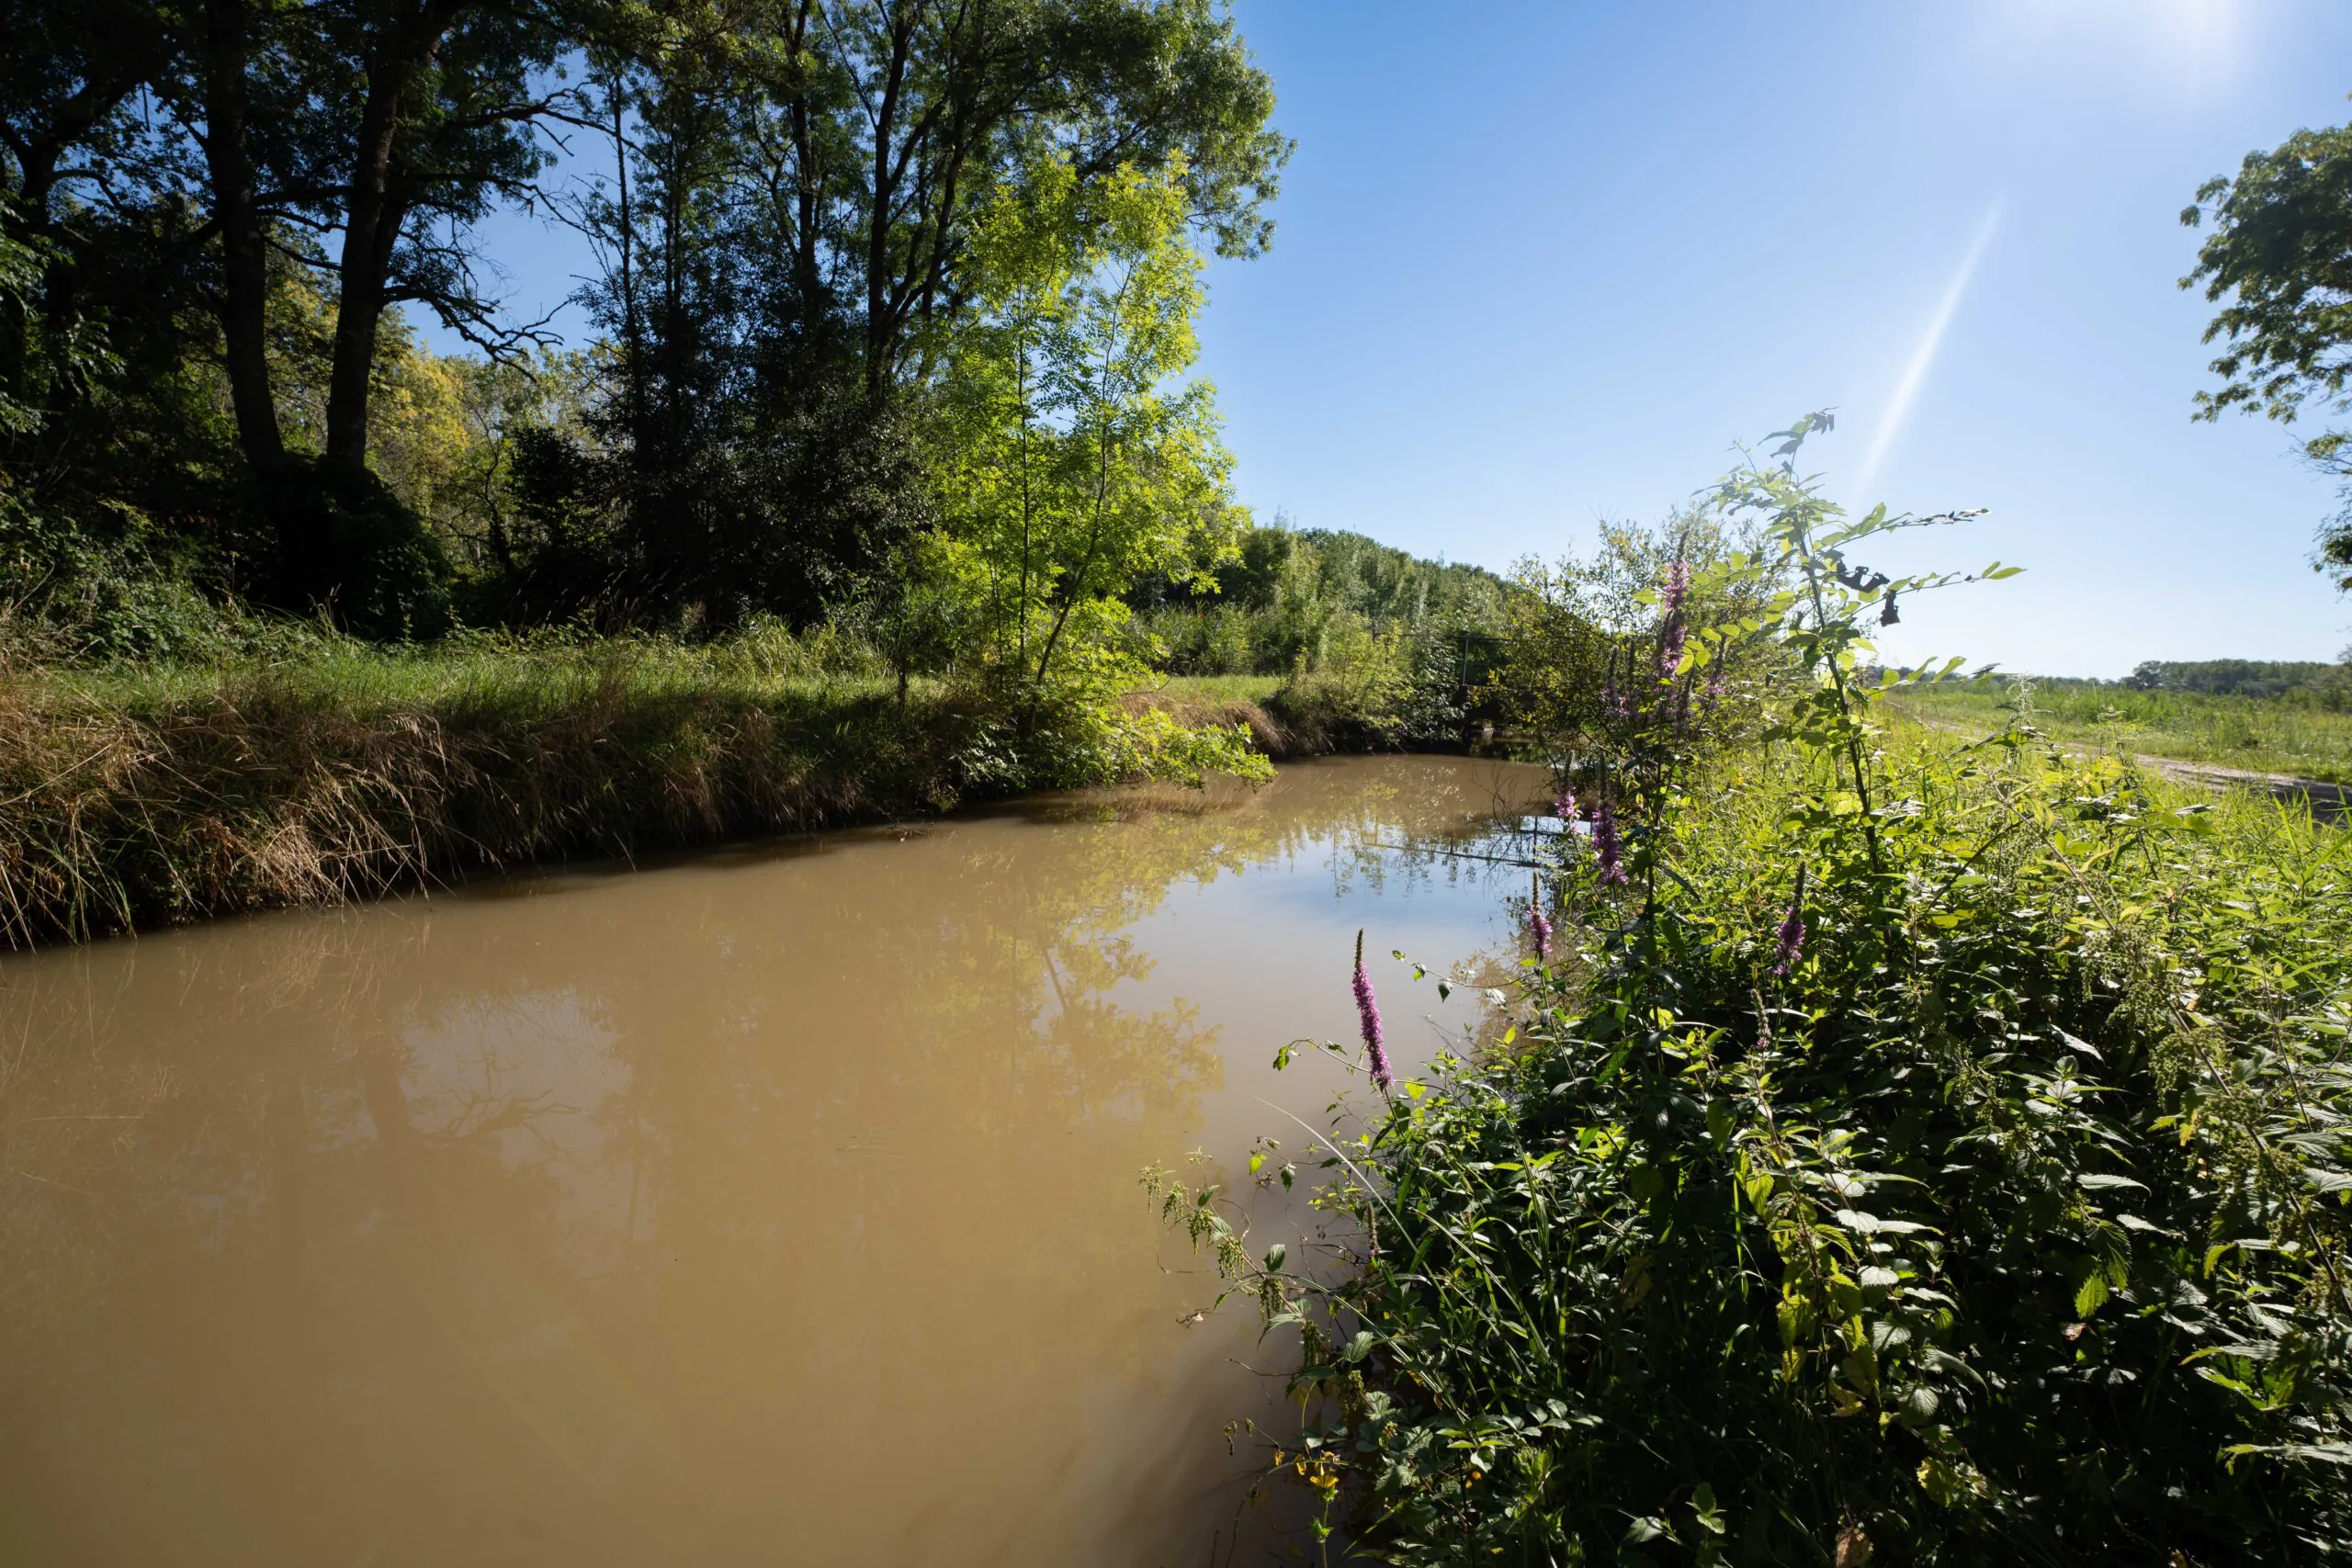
pixel 1285 593
pixel 1377 647
pixel 1080 461
pixel 1581 645
pixel 2305 732
pixel 2281 255
pixel 1928 1149
pixel 212 212
pixel 2238 677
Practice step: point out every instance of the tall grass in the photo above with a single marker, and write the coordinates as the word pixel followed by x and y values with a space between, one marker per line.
pixel 132 796
pixel 2272 735
pixel 325 769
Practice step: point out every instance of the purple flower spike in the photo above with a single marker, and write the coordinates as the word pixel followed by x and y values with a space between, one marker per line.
pixel 1789 945
pixel 1565 802
pixel 1674 631
pixel 1605 846
pixel 1368 1014
pixel 1669 647
pixel 1538 926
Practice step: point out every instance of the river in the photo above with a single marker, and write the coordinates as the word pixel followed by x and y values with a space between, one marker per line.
pixel 771 1206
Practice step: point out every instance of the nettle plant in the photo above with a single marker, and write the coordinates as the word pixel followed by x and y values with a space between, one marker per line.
pixel 1908 1151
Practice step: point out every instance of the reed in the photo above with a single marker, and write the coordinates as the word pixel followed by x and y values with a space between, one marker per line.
pixel 325 769
pixel 132 798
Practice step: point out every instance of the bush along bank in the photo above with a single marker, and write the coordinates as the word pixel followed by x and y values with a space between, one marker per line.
pixel 1908 1154
pixel 330 770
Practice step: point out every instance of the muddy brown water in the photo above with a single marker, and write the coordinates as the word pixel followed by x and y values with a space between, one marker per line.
pixel 777 1206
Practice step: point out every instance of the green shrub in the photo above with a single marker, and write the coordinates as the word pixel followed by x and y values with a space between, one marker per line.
pixel 1934 1154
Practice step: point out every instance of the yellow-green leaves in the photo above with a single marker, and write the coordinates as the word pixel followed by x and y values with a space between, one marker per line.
pixel 1083 459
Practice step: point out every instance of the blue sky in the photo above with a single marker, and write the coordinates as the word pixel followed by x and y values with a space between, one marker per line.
pixel 1537 264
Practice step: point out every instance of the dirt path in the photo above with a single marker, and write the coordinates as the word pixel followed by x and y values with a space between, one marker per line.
pixel 2328 800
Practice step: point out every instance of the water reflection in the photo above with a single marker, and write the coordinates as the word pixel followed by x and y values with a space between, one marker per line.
pixel 773 1207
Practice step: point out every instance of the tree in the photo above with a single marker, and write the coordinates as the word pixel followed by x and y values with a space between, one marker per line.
pixel 1082 461
pixel 786 251
pixel 2281 255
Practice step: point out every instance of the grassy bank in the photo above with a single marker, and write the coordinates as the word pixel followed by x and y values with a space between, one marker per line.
pixel 1945 1219
pixel 2263 734
pixel 1896 1147
pixel 132 798
pixel 327 770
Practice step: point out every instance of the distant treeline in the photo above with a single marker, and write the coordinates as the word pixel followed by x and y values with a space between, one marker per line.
pixel 2168 685
pixel 1301 597
pixel 2235 677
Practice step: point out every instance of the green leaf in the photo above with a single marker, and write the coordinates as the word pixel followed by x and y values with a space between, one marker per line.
pixel 2091 1295
pixel 1917 1406
pixel 1647 1528
pixel 1274 1256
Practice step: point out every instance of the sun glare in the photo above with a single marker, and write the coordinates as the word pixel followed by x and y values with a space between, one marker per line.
pixel 1923 358
pixel 2196 40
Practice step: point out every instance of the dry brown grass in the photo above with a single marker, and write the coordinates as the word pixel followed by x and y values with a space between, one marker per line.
pixel 131 803
pixel 132 798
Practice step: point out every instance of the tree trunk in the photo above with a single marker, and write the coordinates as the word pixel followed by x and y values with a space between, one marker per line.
pixel 808 281
pixel 244 248
pixel 372 228
pixel 632 333
pixel 373 212
pixel 881 329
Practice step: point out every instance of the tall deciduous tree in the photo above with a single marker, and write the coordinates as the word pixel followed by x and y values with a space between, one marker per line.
pixel 806 179
pixel 2280 263
pixel 1083 461
pixel 384 128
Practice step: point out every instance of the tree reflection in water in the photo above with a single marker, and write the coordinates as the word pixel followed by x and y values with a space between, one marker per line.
pixel 773 1206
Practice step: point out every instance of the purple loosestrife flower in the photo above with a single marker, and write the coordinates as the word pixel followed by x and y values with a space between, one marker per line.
pixel 1669 647
pixel 1565 802
pixel 1718 685
pixel 1789 945
pixel 1368 1015
pixel 1537 926
pixel 1675 631
pixel 1605 846
pixel 1612 701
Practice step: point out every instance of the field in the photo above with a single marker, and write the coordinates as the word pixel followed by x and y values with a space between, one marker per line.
pixel 2271 735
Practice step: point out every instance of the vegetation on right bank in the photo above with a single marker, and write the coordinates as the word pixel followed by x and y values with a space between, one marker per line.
pixel 2300 726
pixel 1899 1147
